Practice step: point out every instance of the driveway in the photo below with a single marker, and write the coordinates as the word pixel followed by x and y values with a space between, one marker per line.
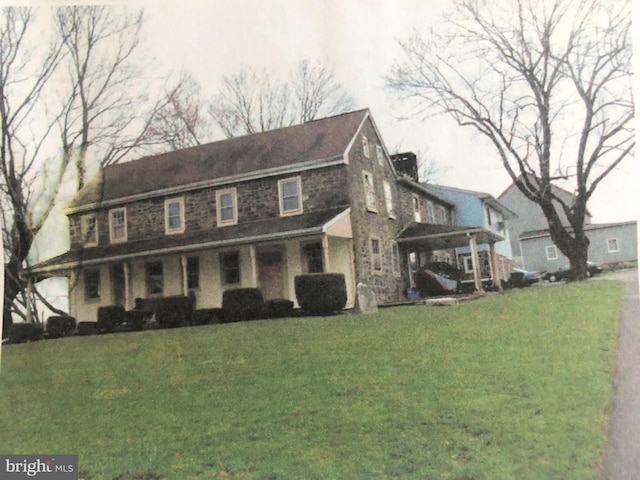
pixel 622 457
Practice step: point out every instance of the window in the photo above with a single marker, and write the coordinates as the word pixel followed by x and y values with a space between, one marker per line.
pixel 155 278
pixel 430 212
pixel 230 268
pixel 290 196
pixel 388 199
pixel 92 284
pixel 376 256
pixel 489 219
pixel 174 215
pixel 441 216
pixel 612 245
pixel 226 207
pixel 193 273
pixel 369 191
pixel 118 225
pixel 313 261
pixel 468 264
pixel 365 146
pixel 395 259
pixel 89 230
pixel 552 252
pixel 380 155
pixel 417 216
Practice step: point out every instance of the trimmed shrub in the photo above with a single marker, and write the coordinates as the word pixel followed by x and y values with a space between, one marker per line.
pixel 206 316
pixel 88 328
pixel 24 332
pixel 242 304
pixel 136 319
pixel 172 312
pixel 109 318
pixel 60 326
pixel 321 293
pixel 278 308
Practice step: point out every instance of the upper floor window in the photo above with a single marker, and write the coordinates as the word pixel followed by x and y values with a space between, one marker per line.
pixel 441 215
pixel 365 146
pixel 369 191
pixel 376 255
pixel 380 155
pixel 89 230
pixel 430 212
pixel 612 245
pixel 226 207
pixel 174 215
pixel 118 225
pixel 552 252
pixel 388 199
pixel 230 268
pixel 489 218
pixel 290 192
pixel 417 215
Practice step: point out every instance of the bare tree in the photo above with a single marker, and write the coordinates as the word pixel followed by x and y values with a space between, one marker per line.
pixel 548 82
pixel 251 102
pixel 180 119
pixel 103 98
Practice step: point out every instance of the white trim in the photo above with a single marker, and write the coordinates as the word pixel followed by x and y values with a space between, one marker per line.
pixel 376 255
pixel 295 211
pixel 112 239
pixel 552 252
pixel 388 199
pixel 380 155
pixel 84 231
pixel 234 197
pixel 396 268
pixel 617 245
pixel 336 219
pixel 244 177
pixel 167 224
pixel 369 189
pixel 365 146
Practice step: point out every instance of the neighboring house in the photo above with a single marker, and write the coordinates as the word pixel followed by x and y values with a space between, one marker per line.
pixel 255 211
pixel 478 209
pixel 529 217
pixel 608 243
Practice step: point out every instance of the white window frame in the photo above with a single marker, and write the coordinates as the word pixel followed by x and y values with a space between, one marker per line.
pixel 552 252
pixel 376 258
pixel 85 275
pixel 379 155
pixel 395 259
pixel 167 213
pixel 281 183
pixel 365 146
pixel 415 204
pixel 234 198
pixel 224 270
pixel 388 199
pixel 87 241
pixel 467 261
pixel 431 214
pixel 369 191
pixel 615 242
pixel 112 226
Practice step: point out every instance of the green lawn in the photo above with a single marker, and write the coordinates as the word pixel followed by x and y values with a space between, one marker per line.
pixel 506 387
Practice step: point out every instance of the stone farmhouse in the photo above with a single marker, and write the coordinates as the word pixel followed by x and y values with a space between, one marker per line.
pixel 255 211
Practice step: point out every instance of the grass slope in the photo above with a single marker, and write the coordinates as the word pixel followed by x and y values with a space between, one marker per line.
pixel 511 386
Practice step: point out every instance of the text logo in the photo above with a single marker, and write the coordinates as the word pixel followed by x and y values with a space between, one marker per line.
pixel 45 467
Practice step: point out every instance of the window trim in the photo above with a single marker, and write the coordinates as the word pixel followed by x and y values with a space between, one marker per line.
pixel 112 212
pixel 281 182
pixel 167 224
pixel 84 231
pixel 223 279
pixel 388 199
pixel 234 197
pixel 552 252
pixel 375 256
pixel 395 259
pixel 380 155
pixel 304 249
pixel 467 262
pixel 417 211
pixel 147 278
pixel 617 245
pixel 370 198
pixel 365 146
pixel 85 273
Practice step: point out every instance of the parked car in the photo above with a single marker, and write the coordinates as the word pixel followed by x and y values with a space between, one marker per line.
pixel 567 273
pixel 523 278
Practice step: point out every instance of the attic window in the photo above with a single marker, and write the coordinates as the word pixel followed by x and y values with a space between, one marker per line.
pixel 118 225
pixel 369 191
pixel 290 196
pixel 380 155
pixel 89 230
pixel 365 146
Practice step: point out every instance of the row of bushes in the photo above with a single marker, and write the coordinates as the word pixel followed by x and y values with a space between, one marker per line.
pixel 317 294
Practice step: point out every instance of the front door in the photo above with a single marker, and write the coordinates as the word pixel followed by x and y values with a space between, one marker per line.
pixel 271 274
pixel 118 284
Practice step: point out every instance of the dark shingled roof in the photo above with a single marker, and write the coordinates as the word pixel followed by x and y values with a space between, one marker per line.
pixel 316 141
pixel 304 224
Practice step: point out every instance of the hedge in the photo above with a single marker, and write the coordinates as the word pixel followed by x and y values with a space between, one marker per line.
pixel 242 304
pixel 278 308
pixel 321 293
pixel 109 318
pixel 24 332
pixel 174 312
pixel 60 326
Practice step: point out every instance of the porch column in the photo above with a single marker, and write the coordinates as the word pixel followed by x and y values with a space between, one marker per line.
pixel 127 292
pixel 254 266
pixel 325 254
pixel 29 305
pixel 495 271
pixel 475 262
pixel 185 280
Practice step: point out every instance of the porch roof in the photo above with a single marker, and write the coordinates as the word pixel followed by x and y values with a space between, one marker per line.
pixel 440 237
pixel 316 222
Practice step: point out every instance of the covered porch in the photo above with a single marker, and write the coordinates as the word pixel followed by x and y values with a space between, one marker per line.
pixel 421 240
